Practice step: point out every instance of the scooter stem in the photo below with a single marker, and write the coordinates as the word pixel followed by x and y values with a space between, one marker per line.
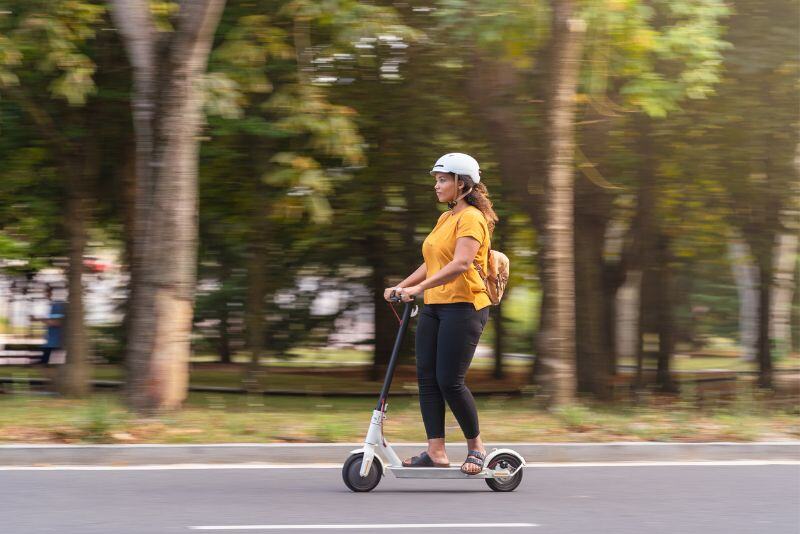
pixel 395 353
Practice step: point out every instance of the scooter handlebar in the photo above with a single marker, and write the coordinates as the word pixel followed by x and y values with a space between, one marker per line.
pixel 396 298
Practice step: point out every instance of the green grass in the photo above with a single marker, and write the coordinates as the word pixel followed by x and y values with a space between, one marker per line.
pixel 214 418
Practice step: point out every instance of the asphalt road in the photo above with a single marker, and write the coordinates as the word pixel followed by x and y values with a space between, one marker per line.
pixel 674 499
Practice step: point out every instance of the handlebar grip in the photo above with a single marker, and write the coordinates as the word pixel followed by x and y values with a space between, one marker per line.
pixel 394 298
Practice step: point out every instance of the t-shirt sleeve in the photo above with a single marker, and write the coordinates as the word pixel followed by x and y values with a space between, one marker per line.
pixel 473 225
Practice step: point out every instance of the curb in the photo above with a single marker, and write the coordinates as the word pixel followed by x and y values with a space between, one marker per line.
pixel 288 453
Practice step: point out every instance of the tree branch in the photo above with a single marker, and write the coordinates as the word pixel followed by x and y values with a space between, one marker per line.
pixel 197 22
pixel 135 23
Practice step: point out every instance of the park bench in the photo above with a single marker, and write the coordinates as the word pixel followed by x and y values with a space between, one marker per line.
pixel 20 352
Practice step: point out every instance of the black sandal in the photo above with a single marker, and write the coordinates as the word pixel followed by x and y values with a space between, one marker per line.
pixel 423 460
pixel 473 457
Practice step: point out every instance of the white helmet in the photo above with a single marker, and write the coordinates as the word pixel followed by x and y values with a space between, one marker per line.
pixel 460 164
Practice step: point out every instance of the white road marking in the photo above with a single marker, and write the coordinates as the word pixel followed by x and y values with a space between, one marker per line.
pixel 665 463
pixel 178 467
pixel 370 527
pixel 168 467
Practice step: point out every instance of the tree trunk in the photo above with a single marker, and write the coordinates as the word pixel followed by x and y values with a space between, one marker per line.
pixel 593 237
pixel 783 292
pixel 764 345
pixel 591 368
pixel 648 331
pixel 224 346
pixel 128 201
pixel 385 322
pixel 745 273
pixel 666 337
pixel 74 375
pixel 558 359
pixel 613 278
pixel 646 234
pixel 254 305
pixel 626 339
pixel 167 115
pixel 255 333
pixel 521 160
pixel 796 312
pixel 539 373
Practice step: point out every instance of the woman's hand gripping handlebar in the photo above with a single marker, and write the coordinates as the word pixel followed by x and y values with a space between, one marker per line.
pixel 398 294
pixel 402 294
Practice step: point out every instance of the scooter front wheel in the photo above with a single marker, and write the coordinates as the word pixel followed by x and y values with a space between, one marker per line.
pixel 505 461
pixel 351 474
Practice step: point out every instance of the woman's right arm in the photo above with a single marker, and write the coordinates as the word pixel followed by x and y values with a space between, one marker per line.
pixel 415 278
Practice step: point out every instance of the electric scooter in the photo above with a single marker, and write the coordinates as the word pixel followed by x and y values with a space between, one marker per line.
pixel 363 469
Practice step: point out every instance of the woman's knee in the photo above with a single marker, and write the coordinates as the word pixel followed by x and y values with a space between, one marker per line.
pixel 451 387
pixel 427 381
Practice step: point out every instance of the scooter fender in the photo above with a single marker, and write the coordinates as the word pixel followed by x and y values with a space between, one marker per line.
pixel 496 452
pixel 375 458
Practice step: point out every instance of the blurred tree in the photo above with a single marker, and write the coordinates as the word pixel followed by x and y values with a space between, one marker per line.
pixel 643 56
pixel 46 71
pixel 742 149
pixel 168 53
pixel 558 362
pixel 762 178
pixel 293 148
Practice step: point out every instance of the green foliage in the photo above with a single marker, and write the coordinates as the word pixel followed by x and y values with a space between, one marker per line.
pixel 48 39
pixel 512 29
pixel 323 119
pixel 351 22
pixel 30 201
pixel 667 50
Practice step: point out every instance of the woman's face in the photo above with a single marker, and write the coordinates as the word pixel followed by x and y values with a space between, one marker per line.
pixel 445 186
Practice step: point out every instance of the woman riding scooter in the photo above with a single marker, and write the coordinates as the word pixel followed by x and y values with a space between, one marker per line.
pixel 456 308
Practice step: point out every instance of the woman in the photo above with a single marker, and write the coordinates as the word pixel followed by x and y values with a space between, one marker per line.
pixel 456 308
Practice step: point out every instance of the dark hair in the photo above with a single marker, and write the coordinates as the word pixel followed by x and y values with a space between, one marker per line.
pixel 478 197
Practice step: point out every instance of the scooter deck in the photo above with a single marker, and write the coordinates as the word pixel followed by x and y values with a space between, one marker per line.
pixel 444 472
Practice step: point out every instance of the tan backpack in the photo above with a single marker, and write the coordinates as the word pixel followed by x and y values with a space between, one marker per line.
pixel 497 278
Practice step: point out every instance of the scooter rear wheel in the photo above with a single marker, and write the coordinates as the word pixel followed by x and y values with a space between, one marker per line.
pixel 351 473
pixel 505 461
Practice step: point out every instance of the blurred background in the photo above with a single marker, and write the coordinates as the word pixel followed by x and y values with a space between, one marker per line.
pixel 211 197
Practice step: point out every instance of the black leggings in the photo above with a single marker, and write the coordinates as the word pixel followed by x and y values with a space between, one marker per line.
pixel 447 335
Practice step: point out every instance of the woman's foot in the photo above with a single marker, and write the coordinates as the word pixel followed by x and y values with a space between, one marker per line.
pixel 474 462
pixel 427 459
pixel 434 456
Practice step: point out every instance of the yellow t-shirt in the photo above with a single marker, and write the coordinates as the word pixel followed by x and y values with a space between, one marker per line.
pixel 439 248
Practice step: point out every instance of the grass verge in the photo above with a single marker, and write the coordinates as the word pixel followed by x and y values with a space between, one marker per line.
pixel 30 417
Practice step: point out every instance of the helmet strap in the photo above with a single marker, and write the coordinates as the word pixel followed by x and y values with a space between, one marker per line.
pixel 452 203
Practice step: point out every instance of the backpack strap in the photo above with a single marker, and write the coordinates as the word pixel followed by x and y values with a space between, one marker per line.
pixel 480 271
